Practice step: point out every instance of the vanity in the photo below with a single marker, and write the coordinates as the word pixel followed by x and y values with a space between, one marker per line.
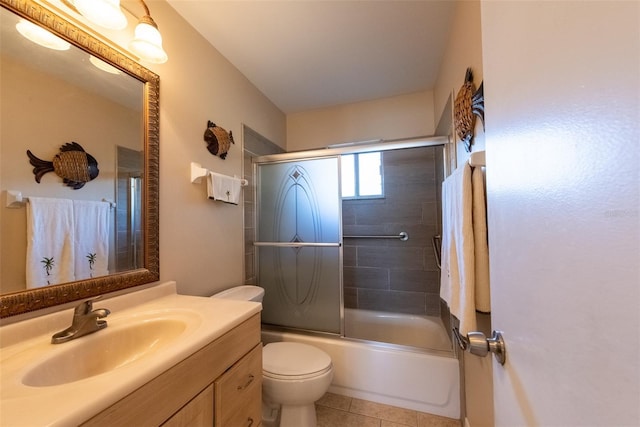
pixel 164 359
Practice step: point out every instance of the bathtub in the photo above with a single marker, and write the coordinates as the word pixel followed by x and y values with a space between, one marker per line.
pixel 426 332
pixel 406 377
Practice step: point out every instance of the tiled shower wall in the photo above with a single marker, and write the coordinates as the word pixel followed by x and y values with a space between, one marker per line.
pixel 254 145
pixel 394 275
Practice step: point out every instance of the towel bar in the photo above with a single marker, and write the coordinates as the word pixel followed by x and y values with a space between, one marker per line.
pixel 16 200
pixel 198 172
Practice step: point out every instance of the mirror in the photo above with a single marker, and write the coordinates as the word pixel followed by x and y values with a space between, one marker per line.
pixel 127 148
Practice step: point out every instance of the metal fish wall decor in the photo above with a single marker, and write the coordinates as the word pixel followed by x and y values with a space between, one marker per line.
pixel 218 140
pixel 75 166
pixel 469 103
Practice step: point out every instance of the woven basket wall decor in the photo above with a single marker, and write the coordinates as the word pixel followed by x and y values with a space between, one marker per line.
pixel 468 104
pixel 218 140
pixel 75 166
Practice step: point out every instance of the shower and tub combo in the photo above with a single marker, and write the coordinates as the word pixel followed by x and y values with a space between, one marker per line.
pixel 343 249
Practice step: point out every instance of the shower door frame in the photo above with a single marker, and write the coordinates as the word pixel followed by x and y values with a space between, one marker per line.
pixel 337 151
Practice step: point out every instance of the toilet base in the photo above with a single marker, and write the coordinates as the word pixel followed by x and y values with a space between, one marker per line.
pixel 298 415
pixel 270 414
pixel 273 415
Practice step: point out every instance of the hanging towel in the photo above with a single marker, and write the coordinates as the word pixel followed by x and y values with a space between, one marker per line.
pixel 457 280
pixel 91 244
pixel 223 188
pixel 481 246
pixel 50 256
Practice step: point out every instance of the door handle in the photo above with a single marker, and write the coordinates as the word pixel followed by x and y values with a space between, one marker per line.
pixel 478 344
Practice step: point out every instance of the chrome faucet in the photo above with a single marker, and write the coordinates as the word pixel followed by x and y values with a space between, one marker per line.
pixel 86 321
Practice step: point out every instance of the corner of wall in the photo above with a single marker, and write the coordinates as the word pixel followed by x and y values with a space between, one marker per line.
pixel 464 50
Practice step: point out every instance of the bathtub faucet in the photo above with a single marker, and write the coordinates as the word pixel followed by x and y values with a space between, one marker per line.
pixel 85 321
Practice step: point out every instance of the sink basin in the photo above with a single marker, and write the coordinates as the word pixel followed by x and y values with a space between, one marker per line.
pixel 104 351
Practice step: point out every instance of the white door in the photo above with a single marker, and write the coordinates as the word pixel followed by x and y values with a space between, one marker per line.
pixel 562 98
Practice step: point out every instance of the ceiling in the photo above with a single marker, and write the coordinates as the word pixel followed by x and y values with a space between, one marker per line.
pixel 307 54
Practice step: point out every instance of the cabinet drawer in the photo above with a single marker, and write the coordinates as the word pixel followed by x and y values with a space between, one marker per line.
pixel 238 392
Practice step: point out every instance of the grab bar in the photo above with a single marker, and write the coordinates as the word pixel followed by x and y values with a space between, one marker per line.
pixel 436 241
pixel 402 236
pixel 296 244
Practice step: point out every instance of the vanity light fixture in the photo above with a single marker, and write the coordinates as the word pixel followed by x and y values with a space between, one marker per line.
pixel 105 13
pixel 147 41
pixel 100 64
pixel 41 36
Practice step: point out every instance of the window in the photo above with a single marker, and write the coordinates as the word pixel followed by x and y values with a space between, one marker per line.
pixel 362 175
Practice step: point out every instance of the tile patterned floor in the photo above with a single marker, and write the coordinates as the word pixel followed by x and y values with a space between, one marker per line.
pixel 334 410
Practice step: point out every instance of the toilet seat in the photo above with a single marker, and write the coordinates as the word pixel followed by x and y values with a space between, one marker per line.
pixel 294 361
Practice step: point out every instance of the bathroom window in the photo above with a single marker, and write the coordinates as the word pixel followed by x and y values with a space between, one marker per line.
pixel 362 176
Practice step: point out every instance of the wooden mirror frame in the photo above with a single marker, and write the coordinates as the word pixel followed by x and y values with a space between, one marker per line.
pixel 34 299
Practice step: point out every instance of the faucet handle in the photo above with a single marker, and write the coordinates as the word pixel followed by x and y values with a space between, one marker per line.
pixel 86 306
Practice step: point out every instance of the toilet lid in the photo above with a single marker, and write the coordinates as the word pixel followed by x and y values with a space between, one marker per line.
pixel 293 359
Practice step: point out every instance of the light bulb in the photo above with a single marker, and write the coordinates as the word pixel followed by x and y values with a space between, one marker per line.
pixel 100 64
pixel 106 13
pixel 147 42
pixel 41 36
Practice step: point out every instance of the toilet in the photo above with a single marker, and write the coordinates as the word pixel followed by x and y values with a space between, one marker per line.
pixel 294 375
pixel 244 293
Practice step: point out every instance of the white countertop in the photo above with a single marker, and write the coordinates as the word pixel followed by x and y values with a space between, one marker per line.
pixel 27 343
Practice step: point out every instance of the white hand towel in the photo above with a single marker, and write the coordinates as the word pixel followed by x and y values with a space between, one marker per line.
pixel 91 229
pixel 481 246
pixel 457 280
pixel 50 257
pixel 223 188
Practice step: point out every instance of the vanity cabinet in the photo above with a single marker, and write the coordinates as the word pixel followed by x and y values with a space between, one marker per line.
pixel 219 385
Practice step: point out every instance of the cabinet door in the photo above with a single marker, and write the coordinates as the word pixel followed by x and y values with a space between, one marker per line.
pixel 198 412
pixel 238 393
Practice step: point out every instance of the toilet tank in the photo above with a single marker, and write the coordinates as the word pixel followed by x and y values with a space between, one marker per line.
pixel 244 292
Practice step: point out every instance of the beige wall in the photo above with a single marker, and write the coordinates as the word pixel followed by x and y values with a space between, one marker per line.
pixel 464 49
pixel 396 117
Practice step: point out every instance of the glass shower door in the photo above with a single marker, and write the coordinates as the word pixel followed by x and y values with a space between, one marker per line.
pixel 299 243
